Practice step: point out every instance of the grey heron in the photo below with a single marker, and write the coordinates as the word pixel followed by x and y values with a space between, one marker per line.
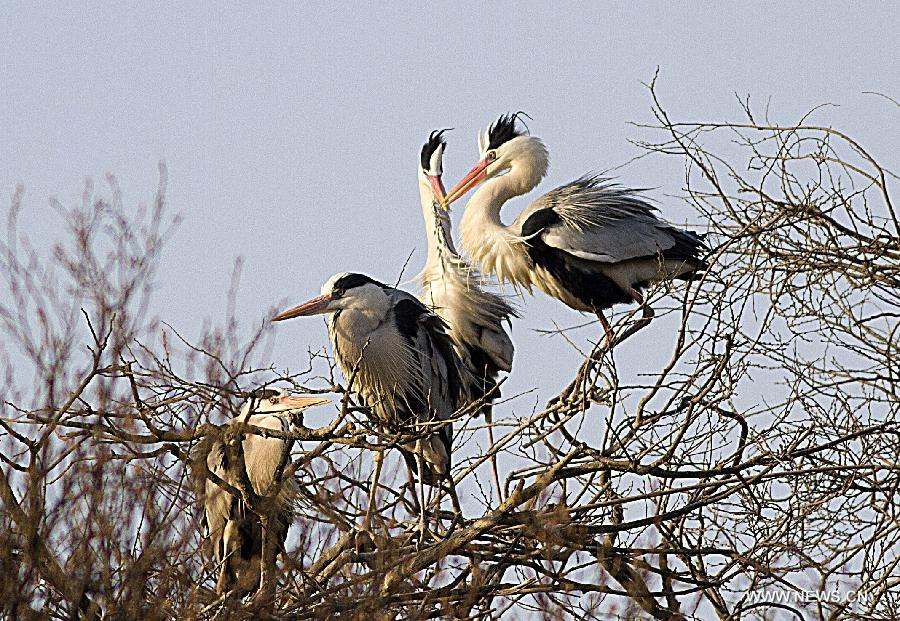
pixel 406 369
pixel 235 531
pixel 453 288
pixel 589 243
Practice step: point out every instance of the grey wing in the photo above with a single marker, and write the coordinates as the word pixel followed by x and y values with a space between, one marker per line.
pixel 611 243
pixel 498 346
pixel 490 312
pixel 447 389
pixel 594 219
pixel 441 368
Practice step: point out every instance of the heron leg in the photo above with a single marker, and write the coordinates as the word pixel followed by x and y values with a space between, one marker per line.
pixel 581 378
pixel 411 486
pixel 437 507
pixel 457 509
pixel 648 313
pixel 373 489
pixel 452 489
pixel 420 462
pixel 607 329
pixel 489 419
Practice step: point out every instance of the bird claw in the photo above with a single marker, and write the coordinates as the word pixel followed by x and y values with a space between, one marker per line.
pixel 420 533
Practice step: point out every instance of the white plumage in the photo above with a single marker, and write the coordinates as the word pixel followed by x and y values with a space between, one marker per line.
pixel 589 243
pixel 454 289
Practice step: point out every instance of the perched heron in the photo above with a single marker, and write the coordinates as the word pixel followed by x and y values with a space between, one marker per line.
pixel 589 243
pixel 405 366
pixel 235 531
pixel 477 319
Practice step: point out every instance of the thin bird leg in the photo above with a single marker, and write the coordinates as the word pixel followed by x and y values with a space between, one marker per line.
pixel 438 499
pixel 610 335
pixel 373 489
pixel 489 419
pixel 452 489
pixel 647 315
pixel 420 462
pixel 581 378
pixel 411 486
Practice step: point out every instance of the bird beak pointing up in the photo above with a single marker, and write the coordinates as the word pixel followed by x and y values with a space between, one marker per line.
pixel 437 187
pixel 315 306
pixel 472 178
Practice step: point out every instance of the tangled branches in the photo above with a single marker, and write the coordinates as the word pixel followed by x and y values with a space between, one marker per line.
pixel 760 457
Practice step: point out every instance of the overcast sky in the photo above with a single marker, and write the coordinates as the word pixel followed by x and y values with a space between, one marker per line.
pixel 291 134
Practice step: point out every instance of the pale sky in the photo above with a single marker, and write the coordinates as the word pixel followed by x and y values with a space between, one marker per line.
pixel 291 133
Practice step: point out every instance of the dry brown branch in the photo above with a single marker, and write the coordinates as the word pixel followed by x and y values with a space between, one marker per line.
pixel 761 457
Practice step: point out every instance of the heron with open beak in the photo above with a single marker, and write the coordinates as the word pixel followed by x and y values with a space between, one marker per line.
pixel 478 319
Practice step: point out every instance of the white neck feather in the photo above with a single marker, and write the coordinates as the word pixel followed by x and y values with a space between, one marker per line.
pixel 438 235
pixel 362 313
pixel 493 246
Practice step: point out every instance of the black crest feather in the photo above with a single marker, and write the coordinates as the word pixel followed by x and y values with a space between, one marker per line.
pixel 504 129
pixel 435 140
pixel 353 280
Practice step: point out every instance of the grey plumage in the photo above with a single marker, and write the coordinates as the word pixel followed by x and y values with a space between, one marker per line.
pixel 601 221
pixel 234 531
pixel 454 289
pixel 589 243
pixel 406 369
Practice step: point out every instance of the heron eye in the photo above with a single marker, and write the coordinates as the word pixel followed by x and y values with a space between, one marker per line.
pixel 273 400
pixel 491 156
pixel 337 293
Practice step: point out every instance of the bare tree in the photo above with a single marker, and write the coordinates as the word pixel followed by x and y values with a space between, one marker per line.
pixel 760 458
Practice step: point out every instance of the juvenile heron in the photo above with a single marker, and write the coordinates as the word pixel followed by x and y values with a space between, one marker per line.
pixel 453 288
pixel 234 530
pixel 589 243
pixel 406 369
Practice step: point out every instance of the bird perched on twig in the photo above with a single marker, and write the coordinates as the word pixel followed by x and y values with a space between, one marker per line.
pixel 454 289
pixel 405 367
pixel 235 531
pixel 589 243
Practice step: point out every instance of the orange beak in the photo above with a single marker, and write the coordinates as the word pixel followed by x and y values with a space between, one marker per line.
pixel 472 178
pixel 437 187
pixel 299 403
pixel 315 306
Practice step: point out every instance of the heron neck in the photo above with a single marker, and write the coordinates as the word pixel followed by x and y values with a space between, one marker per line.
pixel 437 231
pixel 355 323
pixel 482 232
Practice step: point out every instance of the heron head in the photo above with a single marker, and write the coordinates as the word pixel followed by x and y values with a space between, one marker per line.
pixel 504 144
pixel 270 401
pixel 340 292
pixel 431 164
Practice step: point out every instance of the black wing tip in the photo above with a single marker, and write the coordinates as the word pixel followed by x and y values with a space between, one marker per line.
pixel 504 128
pixel 435 139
